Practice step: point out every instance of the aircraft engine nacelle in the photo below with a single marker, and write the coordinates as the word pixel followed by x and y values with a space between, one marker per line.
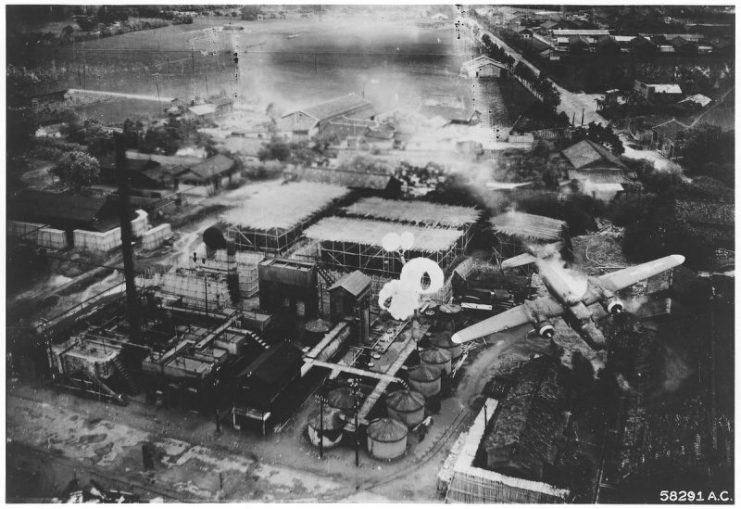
pixel 615 306
pixel 546 330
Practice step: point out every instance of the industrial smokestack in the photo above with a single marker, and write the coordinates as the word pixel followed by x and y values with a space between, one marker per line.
pixel 232 275
pixel 132 301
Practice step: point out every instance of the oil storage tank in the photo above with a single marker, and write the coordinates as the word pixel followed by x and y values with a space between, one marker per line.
pixel 330 429
pixel 406 406
pixel 425 380
pixel 437 358
pixel 443 341
pixel 387 438
pixel 342 399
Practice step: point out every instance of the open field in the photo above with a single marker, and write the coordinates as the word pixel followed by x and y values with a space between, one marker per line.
pixel 394 64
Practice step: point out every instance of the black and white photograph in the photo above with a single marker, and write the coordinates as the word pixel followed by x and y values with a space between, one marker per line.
pixel 382 254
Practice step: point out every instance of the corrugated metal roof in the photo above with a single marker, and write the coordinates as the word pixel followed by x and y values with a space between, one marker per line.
pixel 342 177
pixel 528 226
pixel 354 282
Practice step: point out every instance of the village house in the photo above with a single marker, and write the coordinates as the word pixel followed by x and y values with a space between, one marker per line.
pixel 665 137
pixel 210 174
pixel 658 92
pixel 595 170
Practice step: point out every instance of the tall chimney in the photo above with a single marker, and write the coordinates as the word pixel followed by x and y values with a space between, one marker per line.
pixel 132 301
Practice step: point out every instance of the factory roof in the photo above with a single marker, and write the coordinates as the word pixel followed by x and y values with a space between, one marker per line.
pixel 528 226
pixel 566 32
pixel 339 106
pixel 64 210
pixel 588 153
pixel 283 206
pixel 345 177
pixel 418 212
pixel 354 282
pixel 371 233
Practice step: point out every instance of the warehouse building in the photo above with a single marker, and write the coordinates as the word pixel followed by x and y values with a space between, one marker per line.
pixel 306 122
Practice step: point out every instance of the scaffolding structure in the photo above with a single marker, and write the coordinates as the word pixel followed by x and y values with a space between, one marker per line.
pixel 514 230
pixel 273 220
pixel 349 244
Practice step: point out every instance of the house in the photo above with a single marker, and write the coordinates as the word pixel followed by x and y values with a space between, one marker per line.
pixel 212 173
pixel 683 45
pixel 587 155
pixel 525 33
pixel 203 111
pixel 307 121
pixel 658 92
pixel 698 101
pixel 665 137
pixel 641 46
pixel 483 67
pixel 143 174
pixel 596 171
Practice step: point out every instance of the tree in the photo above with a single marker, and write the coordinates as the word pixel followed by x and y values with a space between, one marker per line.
pixel 77 170
pixel 275 149
pixel 250 12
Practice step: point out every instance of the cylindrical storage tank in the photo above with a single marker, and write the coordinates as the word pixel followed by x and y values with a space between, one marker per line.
pixel 332 428
pixel 437 358
pixel 442 340
pixel 342 399
pixel 425 380
pixel 406 406
pixel 315 330
pixel 387 439
pixel 449 315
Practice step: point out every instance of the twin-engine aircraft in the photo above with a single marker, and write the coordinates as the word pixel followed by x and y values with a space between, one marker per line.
pixel 570 294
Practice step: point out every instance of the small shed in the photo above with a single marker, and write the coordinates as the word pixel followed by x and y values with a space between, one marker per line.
pixel 387 439
pixel 349 297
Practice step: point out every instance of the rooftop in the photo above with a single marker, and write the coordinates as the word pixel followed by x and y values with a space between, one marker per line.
pixel 202 109
pixel 566 32
pixel 344 177
pixel 336 107
pixel 587 153
pixel 666 88
pixel 212 167
pixel 482 60
pixel 354 282
pixel 418 212
pixel 528 226
pixel 371 233
pixel 670 128
pixel 283 206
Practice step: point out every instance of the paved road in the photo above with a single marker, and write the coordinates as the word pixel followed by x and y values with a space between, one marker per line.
pixel 572 104
pixel 121 95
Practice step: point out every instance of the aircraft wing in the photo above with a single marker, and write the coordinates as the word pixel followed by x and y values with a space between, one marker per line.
pixel 519 260
pixel 530 312
pixel 624 278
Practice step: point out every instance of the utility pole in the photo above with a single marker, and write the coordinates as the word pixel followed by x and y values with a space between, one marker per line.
pixel 354 385
pixel 132 300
